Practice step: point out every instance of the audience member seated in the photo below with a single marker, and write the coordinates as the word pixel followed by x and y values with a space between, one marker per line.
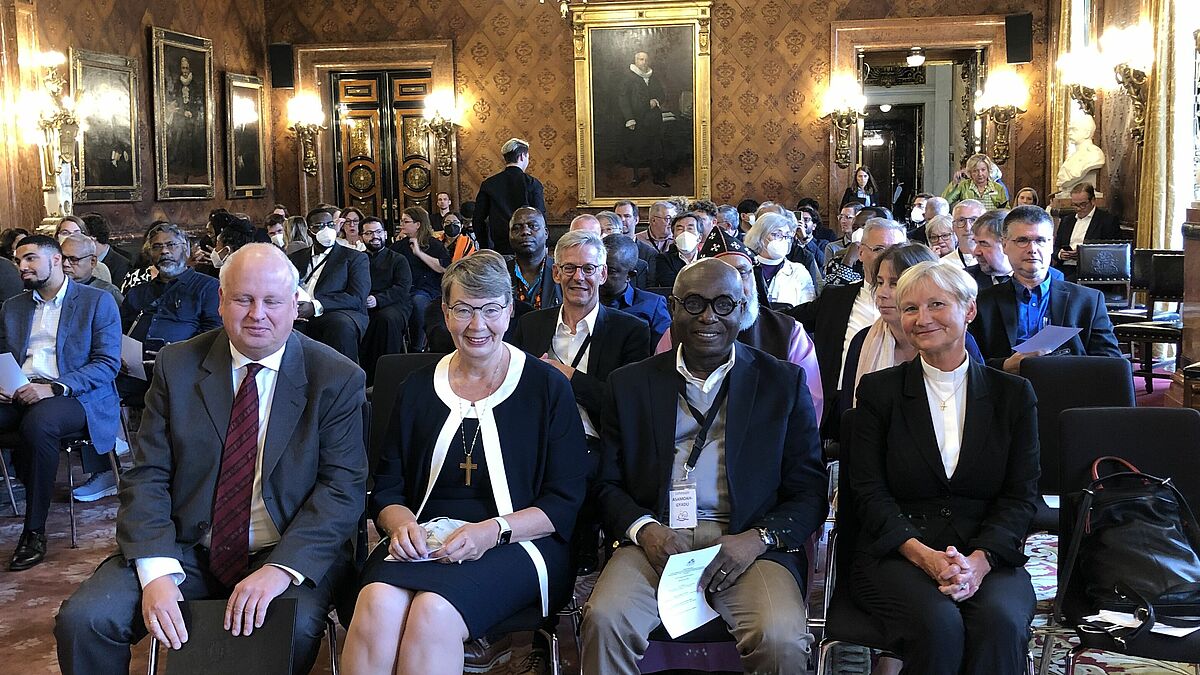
pixel 1027 196
pixel 848 222
pixel 786 282
pixel 618 291
pixel 348 233
pixel 793 224
pixel 236 233
pixel 1014 311
pixel 75 225
pixel 685 232
pixel 965 213
pixel 460 244
pixel 390 303
pixel 505 515
pixel 939 232
pixel 991 265
pixel 10 279
pixel 659 235
pixel 977 182
pixel 684 417
pixel 936 206
pixel 297 235
pixel 728 220
pixel 585 222
pixel 807 249
pixel 840 312
pixel 531 265
pixel 276 227
pixel 66 337
pixel 213 509
pixel 1087 225
pixel 141 268
pixel 335 282
pixel 178 303
pixel 944 469
pixel 101 231
pixel 79 263
pixel 884 344
pixel 916 217
pixel 9 240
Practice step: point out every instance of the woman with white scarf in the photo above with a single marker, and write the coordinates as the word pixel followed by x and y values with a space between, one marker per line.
pixel 786 282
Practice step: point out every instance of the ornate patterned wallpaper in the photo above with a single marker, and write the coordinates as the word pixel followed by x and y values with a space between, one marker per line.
pixel 236 28
pixel 514 73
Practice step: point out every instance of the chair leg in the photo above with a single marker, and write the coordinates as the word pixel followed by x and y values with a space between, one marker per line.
pixel 331 635
pixel 823 655
pixel 1047 654
pixel 12 497
pixel 71 494
pixel 116 468
pixel 1072 657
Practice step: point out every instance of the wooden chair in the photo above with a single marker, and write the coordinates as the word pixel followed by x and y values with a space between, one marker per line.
pixel 1165 285
pixel 1106 267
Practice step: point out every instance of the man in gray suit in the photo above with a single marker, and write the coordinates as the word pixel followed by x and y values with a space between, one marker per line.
pixel 67 339
pixel 215 505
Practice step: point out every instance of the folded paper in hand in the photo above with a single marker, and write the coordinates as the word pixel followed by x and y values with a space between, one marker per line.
pixel 1047 339
pixel 437 532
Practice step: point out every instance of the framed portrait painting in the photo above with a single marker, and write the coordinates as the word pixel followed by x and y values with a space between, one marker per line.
pixel 642 100
pixel 106 90
pixel 245 149
pixel 183 115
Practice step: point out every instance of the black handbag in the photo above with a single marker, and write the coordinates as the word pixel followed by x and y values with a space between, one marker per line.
pixel 1134 548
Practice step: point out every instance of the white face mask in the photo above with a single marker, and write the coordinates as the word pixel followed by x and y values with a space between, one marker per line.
pixel 857 235
pixel 917 215
pixel 686 241
pixel 277 239
pixel 778 248
pixel 326 236
pixel 215 258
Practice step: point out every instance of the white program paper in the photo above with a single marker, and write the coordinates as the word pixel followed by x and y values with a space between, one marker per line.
pixel 131 357
pixel 12 377
pixel 682 606
pixel 1130 621
pixel 1047 339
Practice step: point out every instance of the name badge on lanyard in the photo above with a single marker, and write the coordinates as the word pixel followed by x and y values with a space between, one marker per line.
pixel 683 501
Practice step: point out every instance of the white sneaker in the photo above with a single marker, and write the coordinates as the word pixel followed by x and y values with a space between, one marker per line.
pixel 101 484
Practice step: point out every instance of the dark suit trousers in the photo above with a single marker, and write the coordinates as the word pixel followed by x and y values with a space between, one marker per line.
pixel 42 426
pixel 385 335
pixel 987 634
pixel 335 328
pixel 98 624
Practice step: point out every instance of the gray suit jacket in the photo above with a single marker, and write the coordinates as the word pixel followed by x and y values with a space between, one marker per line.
pixel 314 463
pixel 88 352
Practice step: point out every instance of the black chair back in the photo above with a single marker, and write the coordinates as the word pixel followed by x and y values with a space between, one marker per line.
pixel 1158 441
pixel 1166 277
pixel 1107 262
pixel 1139 276
pixel 1063 382
pixel 846 514
pixel 391 372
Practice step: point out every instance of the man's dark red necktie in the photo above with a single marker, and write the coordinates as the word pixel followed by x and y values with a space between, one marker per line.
pixel 229 553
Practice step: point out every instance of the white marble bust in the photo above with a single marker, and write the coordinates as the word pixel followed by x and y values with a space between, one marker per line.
pixel 1085 159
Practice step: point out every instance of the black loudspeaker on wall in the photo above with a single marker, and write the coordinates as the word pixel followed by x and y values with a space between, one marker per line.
pixel 1018 36
pixel 282 66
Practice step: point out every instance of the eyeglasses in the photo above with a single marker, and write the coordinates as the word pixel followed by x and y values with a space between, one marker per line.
pixel 965 221
pixel 169 246
pixel 75 261
pixel 722 305
pixel 373 233
pixel 463 312
pixel 407 221
pixel 941 237
pixel 321 226
pixel 1081 205
pixel 778 235
pixel 1024 242
pixel 877 249
pixel 570 269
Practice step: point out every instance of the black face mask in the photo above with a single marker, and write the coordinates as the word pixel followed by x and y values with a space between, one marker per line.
pixel 452 230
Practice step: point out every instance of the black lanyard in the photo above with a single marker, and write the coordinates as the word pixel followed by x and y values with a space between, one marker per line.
pixel 704 420
pixel 308 277
pixel 587 341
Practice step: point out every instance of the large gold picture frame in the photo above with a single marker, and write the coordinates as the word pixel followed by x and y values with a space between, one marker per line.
pixel 619 160
pixel 245 147
pixel 109 154
pixel 184 115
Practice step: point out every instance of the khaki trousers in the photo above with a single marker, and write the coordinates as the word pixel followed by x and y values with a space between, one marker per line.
pixel 764 610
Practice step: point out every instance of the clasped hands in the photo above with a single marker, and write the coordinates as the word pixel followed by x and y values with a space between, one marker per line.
pixel 245 610
pixel 738 552
pixel 958 576
pixel 469 542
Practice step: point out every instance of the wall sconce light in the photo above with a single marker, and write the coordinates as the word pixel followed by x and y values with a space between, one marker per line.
pixel 915 58
pixel 1079 72
pixel 49 120
pixel 1130 52
pixel 1005 96
pixel 440 120
pixel 843 106
pixel 306 118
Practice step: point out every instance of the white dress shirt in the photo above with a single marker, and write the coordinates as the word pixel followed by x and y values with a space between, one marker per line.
pixel 263 532
pixel 964 260
pixel 949 388
pixel 863 314
pixel 41 356
pixel 1079 233
pixel 564 347
pixel 315 267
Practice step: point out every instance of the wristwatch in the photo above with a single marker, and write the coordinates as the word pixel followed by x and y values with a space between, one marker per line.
pixel 58 388
pixel 768 538
pixel 505 534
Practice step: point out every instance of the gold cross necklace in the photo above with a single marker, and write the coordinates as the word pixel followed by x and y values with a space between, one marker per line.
pixel 468 449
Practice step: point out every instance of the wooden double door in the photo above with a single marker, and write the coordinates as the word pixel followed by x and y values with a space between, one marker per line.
pixel 383 152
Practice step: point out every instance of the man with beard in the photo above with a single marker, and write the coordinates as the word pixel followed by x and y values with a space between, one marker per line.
pixel 390 301
pixel 66 337
pixel 531 265
pixel 991 265
pixel 641 102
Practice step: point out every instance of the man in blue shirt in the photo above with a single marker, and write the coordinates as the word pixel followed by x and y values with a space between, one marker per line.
pixel 1014 311
pixel 619 293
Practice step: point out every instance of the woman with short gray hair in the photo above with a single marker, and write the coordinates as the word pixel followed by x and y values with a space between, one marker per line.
pixel 786 282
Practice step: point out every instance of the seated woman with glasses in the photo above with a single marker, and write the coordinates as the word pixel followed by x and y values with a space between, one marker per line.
pixel 939 232
pixel 427 259
pixel 476 492
pixel 942 474
pixel 787 283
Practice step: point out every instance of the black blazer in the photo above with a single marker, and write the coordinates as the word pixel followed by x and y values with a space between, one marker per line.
pixel 118 266
pixel 851 195
pixel 826 319
pixel 1104 227
pixel 667 266
pixel 499 196
pixel 345 281
pixel 772 452
pixel 619 340
pixel 648 256
pixel 995 326
pixel 391 280
pixel 900 484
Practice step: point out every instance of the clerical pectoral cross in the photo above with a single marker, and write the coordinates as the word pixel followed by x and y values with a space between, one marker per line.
pixel 469 466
